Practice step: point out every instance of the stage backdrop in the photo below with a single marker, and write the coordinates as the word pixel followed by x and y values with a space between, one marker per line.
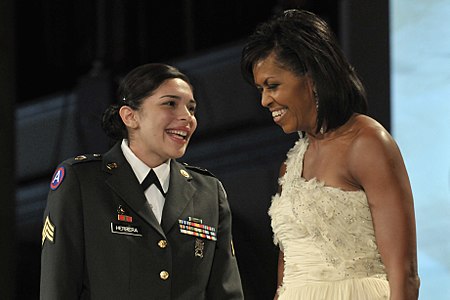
pixel 420 59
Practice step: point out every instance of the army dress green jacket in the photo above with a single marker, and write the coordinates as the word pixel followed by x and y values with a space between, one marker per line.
pixel 101 240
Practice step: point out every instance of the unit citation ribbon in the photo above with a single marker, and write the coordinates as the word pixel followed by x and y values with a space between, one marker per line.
pixel 122 215
pixel 197 229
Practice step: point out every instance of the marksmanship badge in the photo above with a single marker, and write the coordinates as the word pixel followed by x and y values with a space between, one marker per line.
pixel 199 246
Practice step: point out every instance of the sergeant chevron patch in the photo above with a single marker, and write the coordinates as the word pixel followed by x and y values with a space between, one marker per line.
pixel 48 231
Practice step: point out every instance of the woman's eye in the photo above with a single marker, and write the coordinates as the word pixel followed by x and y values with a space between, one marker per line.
pixel 192 109
pixel 170 103
pixel 267 87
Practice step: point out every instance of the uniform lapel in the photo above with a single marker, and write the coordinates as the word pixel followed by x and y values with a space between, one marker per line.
pixel 126 186
pixel 178 196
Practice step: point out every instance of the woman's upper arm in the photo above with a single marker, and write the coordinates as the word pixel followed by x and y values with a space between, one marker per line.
pixel 377 166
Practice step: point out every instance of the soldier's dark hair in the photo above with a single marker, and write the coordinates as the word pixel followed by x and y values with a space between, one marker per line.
pixel 304 44
pixel 135 87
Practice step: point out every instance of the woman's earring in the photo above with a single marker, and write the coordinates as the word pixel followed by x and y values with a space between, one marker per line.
pixel 316 99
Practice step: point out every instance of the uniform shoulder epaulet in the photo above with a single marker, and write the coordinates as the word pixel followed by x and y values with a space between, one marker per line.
pixel 84 158
pixel 60 172
pixel 198 170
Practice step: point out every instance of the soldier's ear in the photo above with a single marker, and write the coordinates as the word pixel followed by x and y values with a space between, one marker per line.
pixel 129 117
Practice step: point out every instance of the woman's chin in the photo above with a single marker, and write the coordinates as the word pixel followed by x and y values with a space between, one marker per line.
pixel 288 130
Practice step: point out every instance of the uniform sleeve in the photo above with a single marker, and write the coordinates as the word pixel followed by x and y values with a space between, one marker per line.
pixel 62 256
pixel 225 281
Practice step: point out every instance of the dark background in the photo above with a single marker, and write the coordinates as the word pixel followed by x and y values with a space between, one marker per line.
pixel 60 65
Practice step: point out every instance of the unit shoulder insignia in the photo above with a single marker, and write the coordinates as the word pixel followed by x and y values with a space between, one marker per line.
pixel 60 172
pixel 57 178
pixel 198 170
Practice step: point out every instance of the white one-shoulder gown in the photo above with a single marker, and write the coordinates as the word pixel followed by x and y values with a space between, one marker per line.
pixel 327 237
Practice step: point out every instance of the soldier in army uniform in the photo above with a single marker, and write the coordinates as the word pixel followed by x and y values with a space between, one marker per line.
pixel 134 223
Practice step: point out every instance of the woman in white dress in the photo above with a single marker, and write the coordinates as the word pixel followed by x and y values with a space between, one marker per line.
pixel 344 216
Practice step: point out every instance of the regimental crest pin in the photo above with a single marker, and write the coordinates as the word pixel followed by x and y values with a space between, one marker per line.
pixel 111 166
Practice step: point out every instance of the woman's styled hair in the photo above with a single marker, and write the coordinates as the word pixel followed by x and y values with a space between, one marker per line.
pixel 135 87
pixel 304 44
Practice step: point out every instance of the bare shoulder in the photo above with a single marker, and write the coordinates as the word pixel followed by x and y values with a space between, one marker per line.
pixel 373 148
pixel 371 137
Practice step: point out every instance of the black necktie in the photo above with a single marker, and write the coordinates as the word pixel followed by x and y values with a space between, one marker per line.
pixel 150 179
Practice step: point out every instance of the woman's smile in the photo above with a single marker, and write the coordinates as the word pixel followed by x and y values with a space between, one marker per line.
pixel 278 114
pixel 179 135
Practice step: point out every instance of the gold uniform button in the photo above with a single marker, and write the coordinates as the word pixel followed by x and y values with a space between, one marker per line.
pixel 164 275
pixel 162 244
pixel 184 173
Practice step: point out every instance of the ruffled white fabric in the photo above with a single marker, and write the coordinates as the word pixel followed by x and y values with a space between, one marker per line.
pixel 327 237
